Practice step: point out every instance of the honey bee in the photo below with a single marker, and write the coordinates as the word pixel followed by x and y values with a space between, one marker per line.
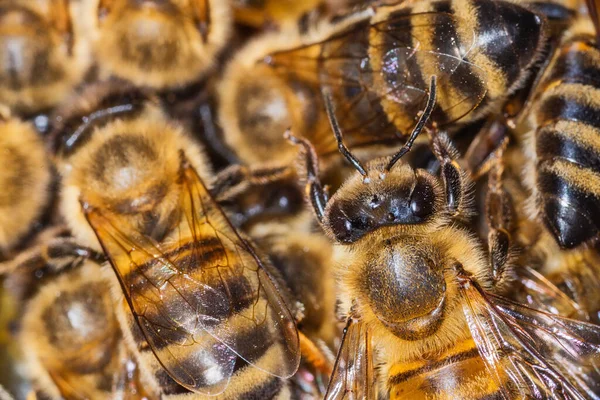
pixel 25 178
pixel 160 44
pixel 209 310
pixel 422 297
pixel 43 57
pixel 561 171
pixel 67 329
pixel 376 65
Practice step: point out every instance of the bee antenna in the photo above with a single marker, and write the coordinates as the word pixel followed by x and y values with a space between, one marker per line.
pixel 419 126
pixel 338 134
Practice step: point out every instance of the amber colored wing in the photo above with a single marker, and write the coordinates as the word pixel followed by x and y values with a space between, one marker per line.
pixel 202 298
pixel 352 377
pixel 530 353
pixel 379 74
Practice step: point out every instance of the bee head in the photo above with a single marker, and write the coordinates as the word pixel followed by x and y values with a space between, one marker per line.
pixel 403 197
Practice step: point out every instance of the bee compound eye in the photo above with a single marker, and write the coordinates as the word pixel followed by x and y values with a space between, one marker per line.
pixel 422 200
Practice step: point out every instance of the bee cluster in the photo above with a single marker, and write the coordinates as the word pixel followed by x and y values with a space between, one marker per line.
pixel 339 199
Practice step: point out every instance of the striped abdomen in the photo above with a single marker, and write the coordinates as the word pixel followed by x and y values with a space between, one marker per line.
pixel 567 145
pixel 378 69
pixel 480 51
pixel 460 373
pixel 204 261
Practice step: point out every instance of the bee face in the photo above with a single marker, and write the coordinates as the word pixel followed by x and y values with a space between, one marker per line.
pixel 406 289
pixel 401 196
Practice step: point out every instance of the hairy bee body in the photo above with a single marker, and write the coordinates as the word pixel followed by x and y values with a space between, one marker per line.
pixel 192 289
pixel 376 65
pixel 44 54
pixel 566 182
pixel 25 178
pixel 160 44
pixel 246 381
pixel 457 373
pixel 72 344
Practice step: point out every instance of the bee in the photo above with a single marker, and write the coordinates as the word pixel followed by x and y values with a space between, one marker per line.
pixel 422 295
pixel 25 177
pixel 208 309
pixel 160 44
pixel 273 215
pixel 43 56
pixel 376 65
pixel 67 328
pixel 561 172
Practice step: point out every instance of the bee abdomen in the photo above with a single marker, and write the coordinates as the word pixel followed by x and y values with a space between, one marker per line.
pixel 567 147
pixel 460 373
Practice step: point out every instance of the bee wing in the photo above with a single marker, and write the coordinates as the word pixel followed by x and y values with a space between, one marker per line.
pixel 265 309
pixel 541 294
pixel 204 301
pixel 352 376
pixel 533 353
pixel 378 74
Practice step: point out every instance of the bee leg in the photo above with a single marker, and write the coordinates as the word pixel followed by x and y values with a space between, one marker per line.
pixel 314 355
pixel 454 178
pixel 54 255
pixel 201 10
pixel 500 219
pixel 308 172
pixel 235 179
pixel 482 152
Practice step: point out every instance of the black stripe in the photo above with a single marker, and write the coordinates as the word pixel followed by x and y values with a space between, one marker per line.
pixel 255 342
pixel 556 108
pixel 210 251
pixel 572 216
pixel 237 289
pixel 463 79
pixel 465 355
pixel 268 390
pixel 346 56
pixel 167 385
pixel 513 34
pixel 402 71
pixel 76 129
pixel 554 12
pixel 575 66
pixel 551 145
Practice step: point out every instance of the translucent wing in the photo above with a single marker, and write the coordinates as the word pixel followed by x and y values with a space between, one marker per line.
pixel 531 353
pixel 539 293
pixel 379 73
pixel 201 297
pixel 352 376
